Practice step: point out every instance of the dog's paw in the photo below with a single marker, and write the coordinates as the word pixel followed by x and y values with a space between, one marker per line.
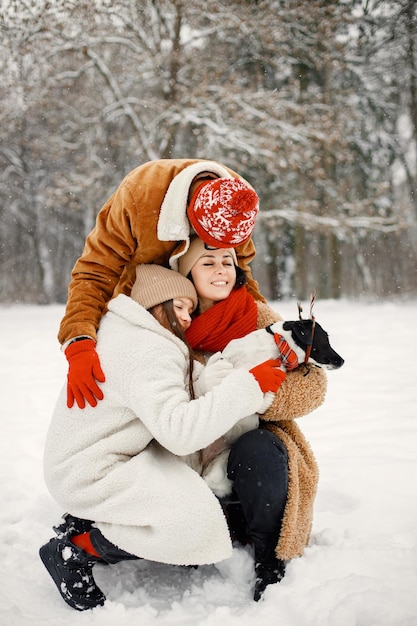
pixel 215 475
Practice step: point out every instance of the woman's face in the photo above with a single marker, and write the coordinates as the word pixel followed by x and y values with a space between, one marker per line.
pixel 214 276
pixel 183 307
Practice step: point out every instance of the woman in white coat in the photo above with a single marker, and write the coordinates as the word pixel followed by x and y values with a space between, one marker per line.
pixel 119 463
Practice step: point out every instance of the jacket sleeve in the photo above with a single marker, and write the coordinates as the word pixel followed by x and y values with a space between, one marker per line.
pixel 179 424
pixel 108 248
pixel 301 392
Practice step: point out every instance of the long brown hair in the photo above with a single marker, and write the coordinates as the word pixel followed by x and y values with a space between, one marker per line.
pixel 169 320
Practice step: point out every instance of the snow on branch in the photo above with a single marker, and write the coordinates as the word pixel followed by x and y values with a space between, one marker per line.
pixel 341 223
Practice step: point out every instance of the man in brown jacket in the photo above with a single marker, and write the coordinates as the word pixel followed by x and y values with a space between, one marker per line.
pixel 155 207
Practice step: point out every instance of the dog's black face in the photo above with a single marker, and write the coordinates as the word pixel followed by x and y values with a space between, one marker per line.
pixel 321 351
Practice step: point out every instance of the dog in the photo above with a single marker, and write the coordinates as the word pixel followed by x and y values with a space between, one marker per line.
pixel 307 339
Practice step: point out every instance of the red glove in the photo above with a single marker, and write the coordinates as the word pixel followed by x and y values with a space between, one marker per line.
pixel 84 368
pixel 268 376
pixel 288 356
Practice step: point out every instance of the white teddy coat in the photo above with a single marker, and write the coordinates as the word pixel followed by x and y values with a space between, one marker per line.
pixel 118 463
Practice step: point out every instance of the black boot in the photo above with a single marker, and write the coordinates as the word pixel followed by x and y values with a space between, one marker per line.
pixel 71 570
pixel 269 569
pixel 72 526
pixel 267 574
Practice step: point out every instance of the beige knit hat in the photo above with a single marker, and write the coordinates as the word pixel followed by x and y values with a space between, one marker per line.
pixel 155 284
pixel 196 250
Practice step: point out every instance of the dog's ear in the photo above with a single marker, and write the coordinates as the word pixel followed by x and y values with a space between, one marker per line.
pixel 301 330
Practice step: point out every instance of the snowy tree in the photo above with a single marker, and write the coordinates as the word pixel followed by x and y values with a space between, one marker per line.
pixel 302 99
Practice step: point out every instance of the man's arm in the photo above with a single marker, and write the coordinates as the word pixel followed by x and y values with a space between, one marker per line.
pixel 96 273
pixel 108 248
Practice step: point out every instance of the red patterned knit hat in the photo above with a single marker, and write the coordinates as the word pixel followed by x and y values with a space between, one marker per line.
pixel 223 212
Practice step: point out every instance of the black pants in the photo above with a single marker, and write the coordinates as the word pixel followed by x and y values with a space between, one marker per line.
pixel 258 467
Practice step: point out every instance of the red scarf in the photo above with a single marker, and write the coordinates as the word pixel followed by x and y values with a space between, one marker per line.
pixel 234 317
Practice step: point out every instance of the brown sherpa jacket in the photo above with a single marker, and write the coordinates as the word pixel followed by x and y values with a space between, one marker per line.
pixel 142 222
pixel 298 395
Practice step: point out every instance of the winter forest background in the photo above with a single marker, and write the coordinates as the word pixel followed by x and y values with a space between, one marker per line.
pixel 314 103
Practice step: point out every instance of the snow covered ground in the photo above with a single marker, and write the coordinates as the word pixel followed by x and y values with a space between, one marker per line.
pixel 360 568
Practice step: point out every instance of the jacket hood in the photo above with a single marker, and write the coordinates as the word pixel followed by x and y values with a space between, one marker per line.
pixel 127 309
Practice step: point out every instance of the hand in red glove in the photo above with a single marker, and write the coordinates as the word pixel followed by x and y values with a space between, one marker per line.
pixel 268 375
pixel 288 356
pixel 84 369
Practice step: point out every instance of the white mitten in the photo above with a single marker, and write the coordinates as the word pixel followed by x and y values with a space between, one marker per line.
pixel 213 373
